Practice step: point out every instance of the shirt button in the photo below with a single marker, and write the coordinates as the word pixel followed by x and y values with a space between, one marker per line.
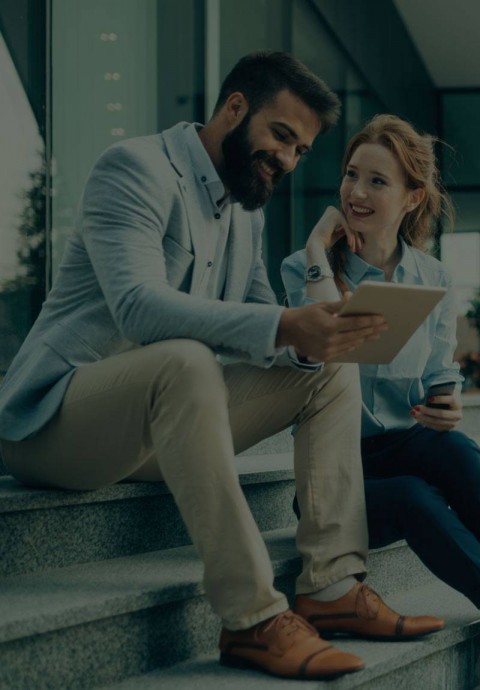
pixel 203 178
pixel 210 264
pixel 218 216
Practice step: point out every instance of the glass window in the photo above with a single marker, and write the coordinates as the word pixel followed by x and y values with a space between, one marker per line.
pixel 467 211
pixel 316 183
pixel 460 118
pixel 120 69
pixel 22 178
pixel 461 256
pixel 123 68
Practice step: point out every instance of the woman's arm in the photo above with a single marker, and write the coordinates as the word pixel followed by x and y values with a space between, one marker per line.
pixel 441 368
pixel 300 269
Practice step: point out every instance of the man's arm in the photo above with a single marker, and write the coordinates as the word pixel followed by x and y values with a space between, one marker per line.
pixel 124 216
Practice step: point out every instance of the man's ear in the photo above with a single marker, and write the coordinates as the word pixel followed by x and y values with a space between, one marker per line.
pixel 236 107
pixel 416 196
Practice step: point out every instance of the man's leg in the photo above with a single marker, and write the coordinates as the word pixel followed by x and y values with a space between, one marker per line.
pixel 170 410
pixel 332 534
pixel 169 397
pixel 332 539
pixel 167 403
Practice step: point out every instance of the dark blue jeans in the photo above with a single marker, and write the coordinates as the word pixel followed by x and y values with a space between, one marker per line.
pixel 423 486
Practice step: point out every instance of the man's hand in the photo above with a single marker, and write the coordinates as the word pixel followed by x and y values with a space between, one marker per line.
pixel 440 420
pixel 316 330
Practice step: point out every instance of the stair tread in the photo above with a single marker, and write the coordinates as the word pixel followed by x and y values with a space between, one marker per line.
pixel 436 598
pixel 60 597
pixel 251 469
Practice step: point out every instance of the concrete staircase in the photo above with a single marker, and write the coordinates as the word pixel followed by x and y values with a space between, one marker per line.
pixel 103 590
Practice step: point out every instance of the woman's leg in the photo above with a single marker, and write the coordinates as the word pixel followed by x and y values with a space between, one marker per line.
pixel 409 508
pixel 438 513
pixel 451 461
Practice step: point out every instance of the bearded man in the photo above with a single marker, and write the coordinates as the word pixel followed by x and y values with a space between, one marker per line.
pixel 121 378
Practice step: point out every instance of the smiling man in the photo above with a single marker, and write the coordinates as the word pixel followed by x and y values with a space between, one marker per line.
pixel 120 376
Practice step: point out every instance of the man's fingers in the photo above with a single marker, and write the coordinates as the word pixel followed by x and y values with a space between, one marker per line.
pixel 352 323
pixel 348 324
pixel 334 307
pixel 346 342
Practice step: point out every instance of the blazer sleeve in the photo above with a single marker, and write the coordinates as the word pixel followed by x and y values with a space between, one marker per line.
pixel 122 221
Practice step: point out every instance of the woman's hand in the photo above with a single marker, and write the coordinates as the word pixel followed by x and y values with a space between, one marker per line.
pixel 330 228
pixel 440 420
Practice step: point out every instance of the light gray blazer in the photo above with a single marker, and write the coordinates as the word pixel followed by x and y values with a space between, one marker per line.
pixel 130 276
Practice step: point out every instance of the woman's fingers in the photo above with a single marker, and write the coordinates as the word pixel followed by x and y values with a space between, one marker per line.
pixel 356 241
pixel 440 420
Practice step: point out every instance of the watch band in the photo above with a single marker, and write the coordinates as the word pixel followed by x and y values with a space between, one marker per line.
pixel 315 273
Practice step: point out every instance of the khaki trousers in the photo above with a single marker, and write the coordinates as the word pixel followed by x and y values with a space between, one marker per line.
pixel 170 411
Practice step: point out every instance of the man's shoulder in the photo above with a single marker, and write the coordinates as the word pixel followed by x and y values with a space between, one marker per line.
pixel 154 149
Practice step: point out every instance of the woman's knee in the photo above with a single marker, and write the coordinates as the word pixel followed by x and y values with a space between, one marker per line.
pixel 456 458
pixel 458 444
pixel 416 493
pixel 410 494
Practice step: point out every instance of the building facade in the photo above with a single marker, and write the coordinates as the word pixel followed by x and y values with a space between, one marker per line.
pixel 78 76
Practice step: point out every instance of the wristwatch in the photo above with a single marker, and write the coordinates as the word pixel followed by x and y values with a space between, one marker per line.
pixel 314 273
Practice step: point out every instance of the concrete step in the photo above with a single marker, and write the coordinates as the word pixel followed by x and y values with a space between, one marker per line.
pixel 84 625
pixel 447 660
pixel 43 529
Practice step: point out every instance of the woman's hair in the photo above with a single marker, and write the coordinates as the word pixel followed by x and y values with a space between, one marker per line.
pixel 415 152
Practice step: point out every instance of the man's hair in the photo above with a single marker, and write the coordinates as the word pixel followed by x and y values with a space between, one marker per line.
pixel 261 76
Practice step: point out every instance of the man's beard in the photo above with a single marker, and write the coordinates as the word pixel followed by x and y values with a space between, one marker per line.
pixel 241 171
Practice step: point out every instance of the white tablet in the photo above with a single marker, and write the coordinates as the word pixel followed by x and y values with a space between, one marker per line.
pixel 404 308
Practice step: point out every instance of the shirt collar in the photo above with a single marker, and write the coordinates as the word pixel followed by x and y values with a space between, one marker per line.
pixel 408 261
pixel 356 268
pixel 204 170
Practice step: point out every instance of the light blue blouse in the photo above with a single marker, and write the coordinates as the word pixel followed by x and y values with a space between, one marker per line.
pixel 389 391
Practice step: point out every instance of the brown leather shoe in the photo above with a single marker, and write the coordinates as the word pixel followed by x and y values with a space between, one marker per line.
pixel 287 646
pixel 362 613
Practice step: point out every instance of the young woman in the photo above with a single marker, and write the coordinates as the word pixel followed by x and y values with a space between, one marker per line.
pixel 422 478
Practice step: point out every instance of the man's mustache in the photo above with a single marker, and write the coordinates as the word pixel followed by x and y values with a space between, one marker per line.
pixel 272 162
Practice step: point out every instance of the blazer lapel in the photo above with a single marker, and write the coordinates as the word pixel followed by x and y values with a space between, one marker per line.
pixel 189 189
pixel 239 255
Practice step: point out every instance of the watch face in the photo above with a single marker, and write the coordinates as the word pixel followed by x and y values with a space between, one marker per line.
pixel 314 273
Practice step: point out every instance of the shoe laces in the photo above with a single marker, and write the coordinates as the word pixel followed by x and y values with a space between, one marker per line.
pixel 288 624
pixel 368 600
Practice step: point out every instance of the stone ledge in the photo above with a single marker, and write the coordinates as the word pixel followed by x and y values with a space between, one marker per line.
pixel 384 660
pixel 61 597
pixel 253 469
